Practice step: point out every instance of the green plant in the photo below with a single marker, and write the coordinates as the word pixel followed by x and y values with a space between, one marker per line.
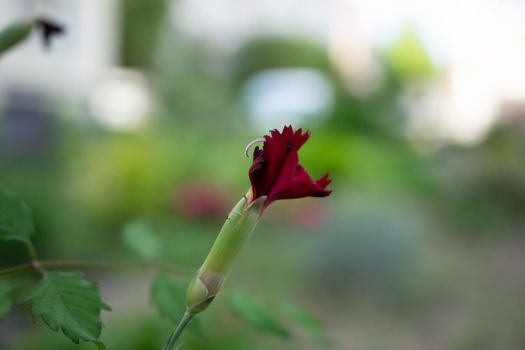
pixel 66 301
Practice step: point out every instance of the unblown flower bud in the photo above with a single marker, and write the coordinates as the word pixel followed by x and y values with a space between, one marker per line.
pixel 238 227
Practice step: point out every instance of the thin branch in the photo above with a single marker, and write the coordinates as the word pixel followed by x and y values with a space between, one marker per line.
pixel 33 255
pixel 111 265
pixel 93 265
pixel 17 268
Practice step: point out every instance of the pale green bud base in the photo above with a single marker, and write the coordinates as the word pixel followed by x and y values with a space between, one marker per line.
pixel 238 227
pixel 198 297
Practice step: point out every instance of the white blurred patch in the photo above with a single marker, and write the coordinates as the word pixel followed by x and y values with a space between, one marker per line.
pixel 478 44
pixel 287 96
pixel 121 101
pixel 227 23
pixel 67 69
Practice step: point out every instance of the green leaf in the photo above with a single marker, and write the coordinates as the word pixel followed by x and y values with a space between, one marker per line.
pixel 139 237
pixel 7 298
pixel 100 345
pixel 65 300
pixel 169 295
pixel 14 34
pixel 16 219
pixel 257 314
pixel 307 321
pixel 105 306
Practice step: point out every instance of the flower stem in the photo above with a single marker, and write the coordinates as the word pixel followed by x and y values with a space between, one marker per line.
pixel 175 335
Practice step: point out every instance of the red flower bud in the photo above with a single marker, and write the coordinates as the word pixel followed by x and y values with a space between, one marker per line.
pixel 276 172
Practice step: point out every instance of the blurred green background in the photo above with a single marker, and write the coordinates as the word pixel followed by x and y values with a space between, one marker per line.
pixel 420 246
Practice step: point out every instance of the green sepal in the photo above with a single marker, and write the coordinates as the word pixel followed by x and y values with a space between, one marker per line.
pixel 198 298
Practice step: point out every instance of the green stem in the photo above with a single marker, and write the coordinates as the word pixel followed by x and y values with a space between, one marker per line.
pixel 32 251
pixel 18 268
pixel 35 264
pixel 175 335
pixel 90 264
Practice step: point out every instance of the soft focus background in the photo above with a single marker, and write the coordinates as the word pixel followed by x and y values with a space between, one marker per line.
pixel 417 109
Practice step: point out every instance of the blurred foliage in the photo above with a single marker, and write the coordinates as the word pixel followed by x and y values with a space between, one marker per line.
pixel 139 237
pixel 257 314
pixel 16 219
pixel 407 59
pixel 169 295
pixel 7 297
pixel 14 34
pixel 308 322
pixel 264 53
pixel 141 23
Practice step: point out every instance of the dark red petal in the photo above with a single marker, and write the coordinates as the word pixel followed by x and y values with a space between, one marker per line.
pixel 294 182
pixel 256 173
pixel 276 172
pixel 287 172
pixel 324 181
pixel 299 138
pixel 275 150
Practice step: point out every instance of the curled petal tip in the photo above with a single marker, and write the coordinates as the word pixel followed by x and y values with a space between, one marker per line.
pixel 247 149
